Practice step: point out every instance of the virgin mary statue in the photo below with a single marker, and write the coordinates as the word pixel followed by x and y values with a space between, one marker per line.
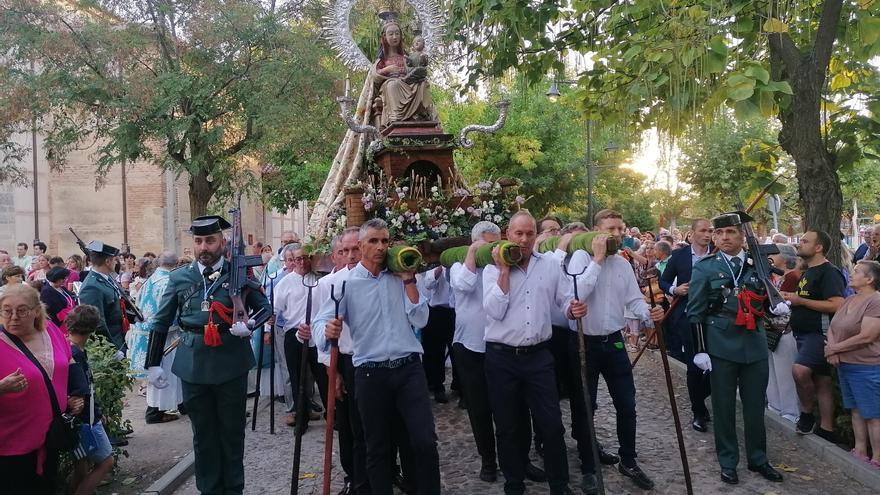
pixel 392 92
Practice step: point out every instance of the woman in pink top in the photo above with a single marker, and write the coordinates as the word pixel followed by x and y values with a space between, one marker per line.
pixel 854 347
pixel 25 407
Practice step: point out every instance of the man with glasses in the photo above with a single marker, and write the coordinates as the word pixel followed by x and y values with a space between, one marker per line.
pixel 290 297
pixel 287 237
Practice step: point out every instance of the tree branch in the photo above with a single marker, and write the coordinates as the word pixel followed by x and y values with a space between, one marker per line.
pixel 249 135
pixel 784 47
pixel 826 33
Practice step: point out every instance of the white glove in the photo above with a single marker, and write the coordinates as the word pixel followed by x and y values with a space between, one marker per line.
pixel 118 356
pixel 156 377
pixel 240 329
pixel 781 309
pixel 703 362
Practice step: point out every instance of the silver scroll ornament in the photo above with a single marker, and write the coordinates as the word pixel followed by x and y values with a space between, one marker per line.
pixel 466 143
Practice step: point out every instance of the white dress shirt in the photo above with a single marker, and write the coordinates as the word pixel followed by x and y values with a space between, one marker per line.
pixel 335 281
pixel 470 317
pixel 608 289
pixel 522 316
pixel 435 289
pixel 557 315
pixel 290 302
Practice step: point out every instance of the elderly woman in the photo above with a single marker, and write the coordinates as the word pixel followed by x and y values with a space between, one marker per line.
pixel 40 268
pixel 58 300
pixel 854 347
pixel 26 465
pixel 781 392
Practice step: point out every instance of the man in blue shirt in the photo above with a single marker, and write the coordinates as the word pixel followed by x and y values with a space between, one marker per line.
pixel 381 309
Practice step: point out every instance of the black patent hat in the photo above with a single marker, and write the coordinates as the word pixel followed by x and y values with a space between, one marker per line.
pixel 209 224
pixel 732 219
pixel 98 247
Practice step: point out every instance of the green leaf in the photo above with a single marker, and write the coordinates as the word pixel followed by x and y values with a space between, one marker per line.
pixel 758 72
pixel 777 86
pixel 715 62
pixel 746 110
pixel 840 81
pixel 632 52
pixel 740 87
pixel 869 29
pixel 717 45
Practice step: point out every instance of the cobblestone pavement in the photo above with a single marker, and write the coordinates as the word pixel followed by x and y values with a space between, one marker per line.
pixel 268 457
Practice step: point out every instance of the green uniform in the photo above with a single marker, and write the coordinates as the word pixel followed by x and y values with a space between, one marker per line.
pixel 214 379
pixel 98 291
pixel 739 356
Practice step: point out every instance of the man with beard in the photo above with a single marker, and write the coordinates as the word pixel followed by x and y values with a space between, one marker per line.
pixel 213 375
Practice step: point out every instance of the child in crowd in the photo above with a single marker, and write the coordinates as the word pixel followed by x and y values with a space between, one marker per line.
pixel 81 323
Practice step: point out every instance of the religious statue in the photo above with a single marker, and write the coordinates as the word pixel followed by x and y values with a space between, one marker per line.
pixel 403 93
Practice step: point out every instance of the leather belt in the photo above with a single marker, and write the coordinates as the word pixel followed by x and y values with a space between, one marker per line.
pixel 521 350
pixel 604 339
pixel 391 363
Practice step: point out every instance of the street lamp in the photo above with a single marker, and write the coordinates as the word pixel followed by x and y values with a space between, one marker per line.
pixel 553 94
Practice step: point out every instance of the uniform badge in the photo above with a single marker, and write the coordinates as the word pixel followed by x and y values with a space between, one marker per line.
pixel 206 306
pixel 225 285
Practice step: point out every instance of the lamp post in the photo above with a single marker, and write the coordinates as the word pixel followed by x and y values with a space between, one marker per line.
pixel 553 94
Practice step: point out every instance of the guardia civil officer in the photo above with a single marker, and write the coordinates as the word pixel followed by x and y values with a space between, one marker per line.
pixel 725 289
pixel 100 290
pixel 213 375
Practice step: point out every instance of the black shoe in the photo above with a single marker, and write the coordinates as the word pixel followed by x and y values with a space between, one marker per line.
pixel 182 409
pixel 346 488
pixel 767 471
pixel 440 396
pixel 607 458
pixel 403 484
pixel 699 424
pixel 589 484
pixel 805 424
pixel 489 474
pixel 825 434
pixel 637 475
pixel 536 474
pixel 729 476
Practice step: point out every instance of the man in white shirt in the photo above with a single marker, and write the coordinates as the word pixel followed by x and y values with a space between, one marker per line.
pixel 469 347
pixel 519 365
pixel 291 295
pixel 437 334
pixel 608 287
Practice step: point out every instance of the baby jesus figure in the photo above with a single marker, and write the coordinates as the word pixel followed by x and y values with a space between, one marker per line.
pixel 417 62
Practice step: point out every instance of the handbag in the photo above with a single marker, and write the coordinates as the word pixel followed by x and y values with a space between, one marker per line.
pixel 774 332
pixel 88 442
pixel 63 431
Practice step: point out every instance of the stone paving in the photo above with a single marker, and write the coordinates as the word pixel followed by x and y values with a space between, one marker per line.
pixel 268 457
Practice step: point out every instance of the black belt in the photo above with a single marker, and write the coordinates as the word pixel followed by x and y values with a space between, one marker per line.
pixel 526 349
pixel 391 363
pixel 201 330
pixel 603 339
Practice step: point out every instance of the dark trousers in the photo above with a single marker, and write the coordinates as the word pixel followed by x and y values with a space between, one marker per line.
pixel 217 414
pixel 698 382
pixel 343 426
pixel 360 485
pixel 751 381
pixel 606 356
pixel 380 392
pixel 530 376
pixel 436 342
pixel 293 349
pixel 472 369
pixel 559 347
pixel 19 474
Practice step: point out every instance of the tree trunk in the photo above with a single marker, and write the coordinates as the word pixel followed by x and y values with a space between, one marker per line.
pixel 201 190
pixel 818 184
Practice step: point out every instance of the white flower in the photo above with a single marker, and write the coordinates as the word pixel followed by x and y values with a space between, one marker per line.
pixel 434 189
pixel 497 218
pixel 444 228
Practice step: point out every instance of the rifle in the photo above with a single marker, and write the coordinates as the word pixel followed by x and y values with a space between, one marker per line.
pixel 759 256
pixel 238 276
pixel 132 312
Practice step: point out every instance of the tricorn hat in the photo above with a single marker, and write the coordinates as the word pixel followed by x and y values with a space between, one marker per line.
pixel 209 224
pixel 732 219
pixel 99 247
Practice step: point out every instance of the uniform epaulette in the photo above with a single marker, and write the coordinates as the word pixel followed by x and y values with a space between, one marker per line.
pixel 704 258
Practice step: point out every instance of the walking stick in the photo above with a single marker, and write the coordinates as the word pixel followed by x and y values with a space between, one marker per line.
pixel 260 362
pixel 301 395
pixel 662 341
pixel 331 393
pixel 271 277
pixel 654 337
pixel 582 353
